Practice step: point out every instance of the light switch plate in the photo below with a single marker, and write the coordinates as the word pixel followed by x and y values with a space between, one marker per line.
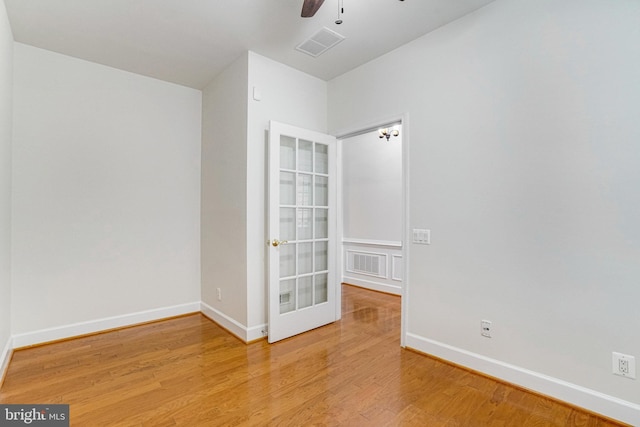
pixel 421 236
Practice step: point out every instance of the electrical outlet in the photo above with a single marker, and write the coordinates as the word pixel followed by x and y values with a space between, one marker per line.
pixel 624 365
pixel 219 291
pixel 485 328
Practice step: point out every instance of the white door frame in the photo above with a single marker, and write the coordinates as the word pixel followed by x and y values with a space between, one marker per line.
pixel 406 232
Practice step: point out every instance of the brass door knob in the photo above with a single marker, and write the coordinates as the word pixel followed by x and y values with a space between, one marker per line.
pixel 277 242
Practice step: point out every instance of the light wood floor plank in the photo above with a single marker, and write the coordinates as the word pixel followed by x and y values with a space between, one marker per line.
pixel 190 372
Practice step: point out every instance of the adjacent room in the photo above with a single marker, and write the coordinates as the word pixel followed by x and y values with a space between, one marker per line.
pixel 150 149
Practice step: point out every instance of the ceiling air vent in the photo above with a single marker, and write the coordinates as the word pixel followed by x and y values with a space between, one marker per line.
pixel 320 42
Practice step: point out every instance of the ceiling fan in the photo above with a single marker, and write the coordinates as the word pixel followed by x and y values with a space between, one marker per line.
pixel 310 7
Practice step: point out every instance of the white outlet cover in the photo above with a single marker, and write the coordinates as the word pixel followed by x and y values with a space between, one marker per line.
pixel 485 328
pixel 619 360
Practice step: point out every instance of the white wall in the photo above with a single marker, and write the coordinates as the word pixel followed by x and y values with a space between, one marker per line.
pixel 524 162
pixel 6 97
pixel 372 211
pixel 288 96
pixel 234 181
pixel 106 193
pixel 372 187
pixel 224 202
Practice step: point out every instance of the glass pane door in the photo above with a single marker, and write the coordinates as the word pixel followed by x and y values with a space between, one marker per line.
pixel 302 227
pixel 304 212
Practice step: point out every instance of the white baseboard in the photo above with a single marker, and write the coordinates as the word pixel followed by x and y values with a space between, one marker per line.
pixel 5 358
pixel 239 330
pixel 104 324
pixel 375 286
pixel 591 400
pixel 256 332
pixel 98 325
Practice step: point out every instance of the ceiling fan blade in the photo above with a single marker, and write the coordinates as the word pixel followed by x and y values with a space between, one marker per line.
pixel 310 7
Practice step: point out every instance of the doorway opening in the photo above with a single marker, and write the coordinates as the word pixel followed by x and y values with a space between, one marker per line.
pixel 372 209
pixel 337 213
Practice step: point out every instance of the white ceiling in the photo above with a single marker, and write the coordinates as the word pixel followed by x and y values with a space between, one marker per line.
pixel 190 41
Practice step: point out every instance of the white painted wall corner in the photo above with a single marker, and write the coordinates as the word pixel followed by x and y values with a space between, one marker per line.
pixel 246 334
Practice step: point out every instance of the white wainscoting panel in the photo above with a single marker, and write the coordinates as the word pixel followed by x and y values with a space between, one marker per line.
pixel 373 264
pixel 397 266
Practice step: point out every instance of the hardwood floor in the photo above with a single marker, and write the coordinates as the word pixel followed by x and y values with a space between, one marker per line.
pixel 188 371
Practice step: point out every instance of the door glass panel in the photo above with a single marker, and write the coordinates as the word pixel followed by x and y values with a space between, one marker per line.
pixel 322 159
pixel 321 256
pixel 321 288
pixel 287 224
pixel 305 156
pixel 305 224
pixel 322 196
pixel 305 291
pixel 287 188
pixel 287 152
pixel 287 260
pixel 287 295
pixel 321 223
pixel 305 259
pixel 305 189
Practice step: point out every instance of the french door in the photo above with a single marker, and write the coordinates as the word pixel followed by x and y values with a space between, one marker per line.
pixel 302 229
